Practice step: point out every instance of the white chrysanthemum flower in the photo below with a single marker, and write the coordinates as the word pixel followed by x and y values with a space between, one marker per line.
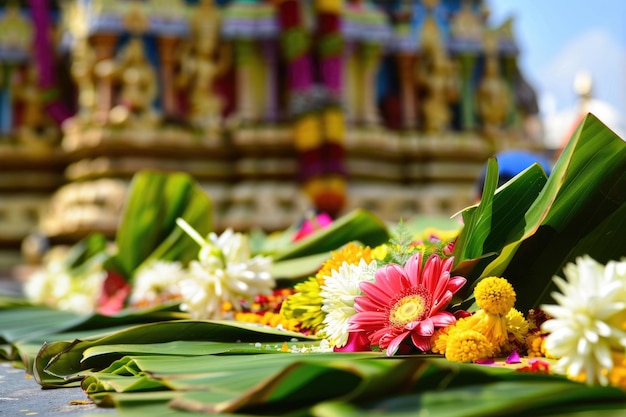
pixel 582 331
pixel 225 273
pixel 46 285
pixel 338 294
pixel 57 287
pixel 156 282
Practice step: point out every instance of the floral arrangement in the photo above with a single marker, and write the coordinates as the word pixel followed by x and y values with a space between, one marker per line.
pixel 529 289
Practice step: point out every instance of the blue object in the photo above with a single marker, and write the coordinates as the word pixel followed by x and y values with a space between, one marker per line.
pixel 511 163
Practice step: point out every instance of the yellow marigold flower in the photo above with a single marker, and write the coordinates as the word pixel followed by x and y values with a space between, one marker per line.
pixel 439 340
pixel 516 325
pixel 307 132
pixel 617 375
pixel 335 125
pixel 534 345
pixel 467 346
pixel 492 326
pixel 350 253
pixel 495 295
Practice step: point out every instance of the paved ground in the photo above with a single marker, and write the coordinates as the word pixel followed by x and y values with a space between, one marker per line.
pixel 20 395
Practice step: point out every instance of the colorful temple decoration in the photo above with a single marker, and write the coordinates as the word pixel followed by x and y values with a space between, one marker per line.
pixel 276 107
pixel 314 71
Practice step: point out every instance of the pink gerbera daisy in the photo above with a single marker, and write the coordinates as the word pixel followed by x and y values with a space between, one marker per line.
pixel 406 302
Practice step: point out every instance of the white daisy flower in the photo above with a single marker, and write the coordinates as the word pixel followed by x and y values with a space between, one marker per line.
pixel 338 294
pixel 583 331
pixel 225 273
pixel 156 282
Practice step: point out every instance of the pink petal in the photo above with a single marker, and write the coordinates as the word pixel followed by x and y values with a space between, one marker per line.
pixel 393 345
pixel 442 285
pixel 393 278
pixel 367 304
pixel 425 328
pixel 442 302
pixel 367 320
pixel 486 361
pixel 357 342
pixel 308 227
pixel 375 293
pixel 447 264
pixel 382 336
pixel 431 273
pixel 421 342
pixel 442 319
pixel 459 314
pixel 513 358
pixel 113 294
pixel 413 269
pixel 455 283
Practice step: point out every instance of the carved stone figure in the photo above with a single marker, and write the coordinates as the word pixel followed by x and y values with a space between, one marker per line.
pixel 17 32
pixel 199 67
pixel 493 96
pixel 439 81
pixel 82 71
pixel 34 126
pixel 136 81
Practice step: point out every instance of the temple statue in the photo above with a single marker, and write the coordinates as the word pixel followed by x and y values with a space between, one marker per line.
pixel 493 95
pixel 251 28
pixel 466 25
pixel 16 37
pixel 82 71
pixel 431 34
pixel 135 80
pixel 200 65
pixel 404 48
pixel 35 126
pixel 17 32
pixel 439 81
pixel 365 30
pixel 321 98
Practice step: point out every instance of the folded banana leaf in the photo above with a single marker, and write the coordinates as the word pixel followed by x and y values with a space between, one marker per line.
pixel 530 228
pixel 330 384
pixel 61 363
pixel 148 227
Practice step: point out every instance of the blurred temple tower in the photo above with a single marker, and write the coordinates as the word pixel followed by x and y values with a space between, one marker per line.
pixel 275 107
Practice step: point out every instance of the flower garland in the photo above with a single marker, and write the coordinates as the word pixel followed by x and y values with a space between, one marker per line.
pixel 318 121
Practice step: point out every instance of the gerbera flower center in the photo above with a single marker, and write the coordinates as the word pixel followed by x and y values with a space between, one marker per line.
pixel 411 306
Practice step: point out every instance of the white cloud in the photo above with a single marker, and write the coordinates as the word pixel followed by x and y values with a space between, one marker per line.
pixel 596 52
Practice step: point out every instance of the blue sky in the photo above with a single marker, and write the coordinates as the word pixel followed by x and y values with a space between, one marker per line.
pixel 559 38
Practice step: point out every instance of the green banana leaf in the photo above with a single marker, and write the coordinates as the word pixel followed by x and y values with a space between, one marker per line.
pixel 582 200
pixel 292 270
pixel 26 329
pixel 358 225
pixel 337 383
pixel 60 363
pixel 148 227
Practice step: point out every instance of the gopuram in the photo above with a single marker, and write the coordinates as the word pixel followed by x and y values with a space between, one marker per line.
pixel 275 107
